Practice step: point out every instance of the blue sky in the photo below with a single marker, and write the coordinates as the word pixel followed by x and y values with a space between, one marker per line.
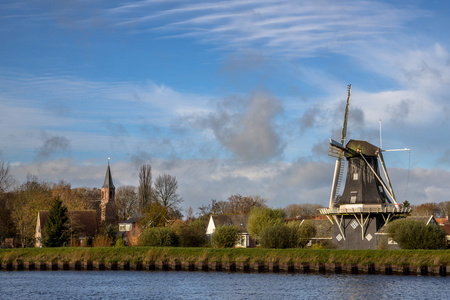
pixel 228 96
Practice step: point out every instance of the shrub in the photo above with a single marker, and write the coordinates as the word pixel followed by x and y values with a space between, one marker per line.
pixel 278 236
pixel 111 233
pixel 324 244
pixel 414 234
pixel 192 234
pixel 119 242
pixel 159 236
pixel 305 231
pixel 225 236
pixel 102 241
pixel 262 217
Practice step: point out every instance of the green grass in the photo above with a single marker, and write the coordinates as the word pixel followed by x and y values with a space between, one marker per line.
pixel 154 254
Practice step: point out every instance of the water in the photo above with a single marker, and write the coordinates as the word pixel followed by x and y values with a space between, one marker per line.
pixel 215 285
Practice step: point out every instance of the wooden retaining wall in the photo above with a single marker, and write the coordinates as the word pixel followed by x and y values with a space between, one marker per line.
pixel 206 266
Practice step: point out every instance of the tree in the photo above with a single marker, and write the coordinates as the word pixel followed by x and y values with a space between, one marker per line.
pixel 154 215
pixel 145 193
pixel 7 228
pixel 225 236
pixel 235 205
pixel 189 213
pixel 215 208
pixel 6 179
pixel 415 234
pixel 304 211
pixel 262 217
pixel 56 231
pixel 166 191
pixel 31 197
pixel 126 201
pixel 242 205
pixel 406 204
pixel 426 209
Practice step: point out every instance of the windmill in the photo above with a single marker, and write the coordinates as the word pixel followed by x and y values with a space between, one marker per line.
pixel 367 202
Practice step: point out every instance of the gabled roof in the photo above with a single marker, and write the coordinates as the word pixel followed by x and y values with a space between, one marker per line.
pixel 108 179
pixel 231 220
pixel 324 229
pixel 128 221
pixel 83 222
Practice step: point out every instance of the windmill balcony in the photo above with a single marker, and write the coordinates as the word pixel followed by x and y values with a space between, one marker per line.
pixel 364 208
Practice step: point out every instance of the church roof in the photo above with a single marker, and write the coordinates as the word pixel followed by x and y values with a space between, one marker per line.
pixel 108 179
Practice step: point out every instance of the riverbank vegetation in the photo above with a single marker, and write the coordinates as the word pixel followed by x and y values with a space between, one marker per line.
pixel 255 255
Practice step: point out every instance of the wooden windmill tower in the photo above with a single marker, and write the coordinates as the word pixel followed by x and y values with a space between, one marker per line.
pixel 367 202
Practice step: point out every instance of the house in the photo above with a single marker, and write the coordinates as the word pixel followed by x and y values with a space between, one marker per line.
pixel 445 224
pixel 130 231
pixel 82 223
pixel 240 221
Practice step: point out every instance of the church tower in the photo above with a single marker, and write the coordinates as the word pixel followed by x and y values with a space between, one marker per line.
pixel 108 196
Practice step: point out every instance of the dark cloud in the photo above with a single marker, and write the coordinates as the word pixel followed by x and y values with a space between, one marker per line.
pixel 52 145
pixel 400 111
pixel 247 127
pixel 309 119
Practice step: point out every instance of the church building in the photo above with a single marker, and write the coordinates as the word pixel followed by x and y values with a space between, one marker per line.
pixel 107 203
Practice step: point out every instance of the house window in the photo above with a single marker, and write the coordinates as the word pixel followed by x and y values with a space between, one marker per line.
pixel 242 241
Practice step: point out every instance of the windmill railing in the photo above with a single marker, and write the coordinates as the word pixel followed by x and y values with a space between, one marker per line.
pixel 380 210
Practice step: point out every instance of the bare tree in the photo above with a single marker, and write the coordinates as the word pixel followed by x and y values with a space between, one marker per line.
pixel 166 191
pixel 242 205
pixel 304 211
pixel 6 179
pixel 126 201
pixel 145 193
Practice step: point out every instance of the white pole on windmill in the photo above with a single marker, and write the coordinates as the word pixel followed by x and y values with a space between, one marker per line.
pixel 381 140
pixel 338 164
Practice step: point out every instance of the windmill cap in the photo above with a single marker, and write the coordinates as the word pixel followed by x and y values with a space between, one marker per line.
pixel 356 147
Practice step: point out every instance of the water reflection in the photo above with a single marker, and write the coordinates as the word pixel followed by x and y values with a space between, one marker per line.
pixel 215 285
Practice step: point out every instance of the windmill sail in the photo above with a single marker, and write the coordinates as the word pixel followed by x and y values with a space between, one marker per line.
pixel 336 150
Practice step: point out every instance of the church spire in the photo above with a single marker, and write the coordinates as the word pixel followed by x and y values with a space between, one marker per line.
pixel 108 179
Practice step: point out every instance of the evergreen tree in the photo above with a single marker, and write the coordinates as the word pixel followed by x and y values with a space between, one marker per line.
pixel 57 229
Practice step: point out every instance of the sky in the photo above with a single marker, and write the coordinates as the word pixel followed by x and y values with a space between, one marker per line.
pixel 231 97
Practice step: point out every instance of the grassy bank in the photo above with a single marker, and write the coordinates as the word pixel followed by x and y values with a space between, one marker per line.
pixel 154 254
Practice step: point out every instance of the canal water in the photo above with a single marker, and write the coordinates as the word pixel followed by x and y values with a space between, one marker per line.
pixel 216 285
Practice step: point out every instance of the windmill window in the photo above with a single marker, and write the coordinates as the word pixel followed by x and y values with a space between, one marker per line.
pixel 355 176
pixel 380 188
pixel 353 199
